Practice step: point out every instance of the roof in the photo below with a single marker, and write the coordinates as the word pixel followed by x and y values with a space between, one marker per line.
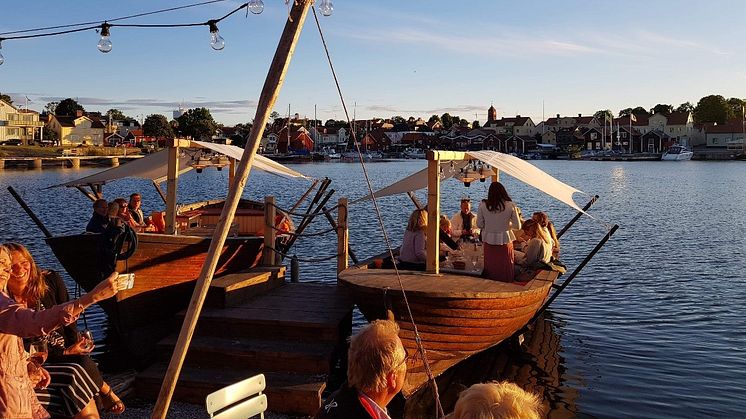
pixel 677 118
pixel 733 126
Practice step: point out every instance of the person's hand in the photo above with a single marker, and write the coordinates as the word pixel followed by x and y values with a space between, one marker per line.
pixel 38 375
pixel 81 347
pixel 106 288
pixel 45 379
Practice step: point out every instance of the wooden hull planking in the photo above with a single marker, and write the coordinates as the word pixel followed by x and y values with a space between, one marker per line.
pixel 456 315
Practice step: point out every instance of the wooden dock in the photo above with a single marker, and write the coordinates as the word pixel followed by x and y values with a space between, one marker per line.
pixel 254 323
pixel 63 161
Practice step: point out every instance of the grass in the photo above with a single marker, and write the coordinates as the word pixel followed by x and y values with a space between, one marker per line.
pixel 36 151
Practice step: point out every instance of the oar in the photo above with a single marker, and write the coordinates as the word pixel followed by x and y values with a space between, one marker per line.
pixel 30 213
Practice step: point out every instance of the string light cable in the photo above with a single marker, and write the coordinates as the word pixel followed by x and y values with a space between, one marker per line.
pixel 104 27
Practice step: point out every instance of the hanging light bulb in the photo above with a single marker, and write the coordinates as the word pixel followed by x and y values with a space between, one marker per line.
pixel 104 45
pixel 256 6
pixel 2 59
pixel 326 7
pixel 216 41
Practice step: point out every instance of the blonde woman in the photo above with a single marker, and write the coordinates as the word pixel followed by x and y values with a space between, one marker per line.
pixel 495 400
pixel 538 244
pixel 412 253
pixel 17 398
pixel 72 371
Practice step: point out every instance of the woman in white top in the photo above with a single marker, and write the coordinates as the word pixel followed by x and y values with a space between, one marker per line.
pixel 497 217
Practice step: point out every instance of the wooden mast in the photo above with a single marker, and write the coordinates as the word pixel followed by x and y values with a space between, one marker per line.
pixel 270 91
pixel 432 261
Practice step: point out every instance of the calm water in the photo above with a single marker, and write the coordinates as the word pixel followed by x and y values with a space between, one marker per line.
pixel 651 328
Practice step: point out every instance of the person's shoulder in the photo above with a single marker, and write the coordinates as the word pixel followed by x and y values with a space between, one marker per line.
pixel 53 278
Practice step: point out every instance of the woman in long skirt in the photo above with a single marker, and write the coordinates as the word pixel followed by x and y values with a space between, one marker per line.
pixel 497 217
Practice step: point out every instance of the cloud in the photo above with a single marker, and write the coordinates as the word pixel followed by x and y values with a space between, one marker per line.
pixel 229 106
pixel 461 110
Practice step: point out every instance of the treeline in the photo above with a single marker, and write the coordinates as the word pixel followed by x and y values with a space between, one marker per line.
pixel 712 108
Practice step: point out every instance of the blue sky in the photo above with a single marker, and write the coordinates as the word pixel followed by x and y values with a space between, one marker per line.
pixel 408 58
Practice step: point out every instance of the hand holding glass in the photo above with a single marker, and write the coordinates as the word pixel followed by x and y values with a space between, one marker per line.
pixel 38 352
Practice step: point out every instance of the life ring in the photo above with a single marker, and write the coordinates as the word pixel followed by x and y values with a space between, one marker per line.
pixel 128 235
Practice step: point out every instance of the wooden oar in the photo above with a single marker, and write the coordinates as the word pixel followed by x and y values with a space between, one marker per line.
pixel 30 213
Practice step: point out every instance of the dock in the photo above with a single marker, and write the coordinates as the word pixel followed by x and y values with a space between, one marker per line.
pixel 73 161
pixel 254 322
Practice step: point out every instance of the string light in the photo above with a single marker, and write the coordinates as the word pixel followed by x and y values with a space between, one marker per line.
pixel 256 6
pixel 216 41
pixel 104 45
pixel 326 7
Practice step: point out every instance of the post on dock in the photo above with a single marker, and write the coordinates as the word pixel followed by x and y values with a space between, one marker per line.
pixel 172 183
pixel 2 164
pixel 269 256
pixel 114 162
pixel 432 262
pixel 75 163
pixel 35 163
pixel 343 236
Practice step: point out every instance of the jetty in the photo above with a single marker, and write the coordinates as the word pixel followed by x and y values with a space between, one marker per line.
pixel 70 160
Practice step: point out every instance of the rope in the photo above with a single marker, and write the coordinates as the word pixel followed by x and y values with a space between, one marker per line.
pixel 420 348
pixel 290 233
pixel 324 259
pixel 299 214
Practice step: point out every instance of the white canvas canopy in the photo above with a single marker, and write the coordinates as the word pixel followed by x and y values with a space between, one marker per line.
pixel 510 165
pixel 154 167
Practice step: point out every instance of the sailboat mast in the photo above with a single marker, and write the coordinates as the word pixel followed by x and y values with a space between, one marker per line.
pixel 270 91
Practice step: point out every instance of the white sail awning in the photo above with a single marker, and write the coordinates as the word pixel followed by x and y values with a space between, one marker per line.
pixel 510 165
pixel 154 167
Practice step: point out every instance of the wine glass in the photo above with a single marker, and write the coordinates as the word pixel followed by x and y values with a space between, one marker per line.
pixel 474 261
pixel 38 352
pixel 87 334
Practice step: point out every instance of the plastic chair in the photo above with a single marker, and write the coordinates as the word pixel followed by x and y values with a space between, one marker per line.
pixel 240 400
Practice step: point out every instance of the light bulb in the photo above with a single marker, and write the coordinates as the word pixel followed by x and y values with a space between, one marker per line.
pixel 256 6
pixel 326 7
pixel 216 41
pixel 2 59
pixel 104 45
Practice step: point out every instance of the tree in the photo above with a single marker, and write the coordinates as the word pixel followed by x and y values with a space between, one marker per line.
pixel 197 123
pixel 604 115
pixel 638 111
pixel 736 106
pixel 662 109
pixel 68 107
pixel 116 115
pixel 6 98
pixel 51 107
pixel 398 119
pixel 433 119
pixel 157 126
pixel 685 107
pixel 447 120
pixel 475 125
pixel 50 135
pixel 274 115
pixel 712 108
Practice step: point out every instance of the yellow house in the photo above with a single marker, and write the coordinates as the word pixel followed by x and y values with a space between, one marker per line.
pixel 77 130
pixel 18 124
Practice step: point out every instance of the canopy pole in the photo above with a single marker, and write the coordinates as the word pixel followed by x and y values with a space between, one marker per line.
pixel 86 193
pixel 270 91
pixel 432 261
pixel 160 191
pixel 577 216
pixel 172 185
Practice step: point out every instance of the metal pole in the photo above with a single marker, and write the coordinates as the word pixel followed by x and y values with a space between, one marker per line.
pixel 577 216
pixel 270 91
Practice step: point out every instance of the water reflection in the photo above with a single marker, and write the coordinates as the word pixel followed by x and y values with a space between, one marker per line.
pixel 536 366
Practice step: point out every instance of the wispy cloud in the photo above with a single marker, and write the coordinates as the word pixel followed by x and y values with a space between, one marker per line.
pixel 461 110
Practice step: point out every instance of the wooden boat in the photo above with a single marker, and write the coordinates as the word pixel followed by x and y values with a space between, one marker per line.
pixel 457 313
pixel 166 266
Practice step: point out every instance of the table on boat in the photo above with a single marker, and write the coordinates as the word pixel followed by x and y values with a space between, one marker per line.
pixel 471 254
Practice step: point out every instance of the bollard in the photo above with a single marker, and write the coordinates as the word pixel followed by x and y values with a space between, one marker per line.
pixel 75 163
pixel 34 164
pixel 2 164
pixel 294 269
pixel 114 162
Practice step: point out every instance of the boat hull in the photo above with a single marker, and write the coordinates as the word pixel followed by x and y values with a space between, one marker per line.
pixel 683 156
pixel 456 315
pixel 166 268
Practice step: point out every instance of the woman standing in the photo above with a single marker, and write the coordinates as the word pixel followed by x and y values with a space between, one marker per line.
pixel 497 217
pixel 73 372
pixel 17 398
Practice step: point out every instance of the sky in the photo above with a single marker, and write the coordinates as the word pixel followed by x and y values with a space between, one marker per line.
pixel 392 57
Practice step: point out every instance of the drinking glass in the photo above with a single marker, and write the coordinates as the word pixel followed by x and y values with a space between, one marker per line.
pixel 38 351
pixel 474 261
pixel 88 336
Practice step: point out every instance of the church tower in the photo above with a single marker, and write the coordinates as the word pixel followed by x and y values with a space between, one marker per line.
pixel 491 114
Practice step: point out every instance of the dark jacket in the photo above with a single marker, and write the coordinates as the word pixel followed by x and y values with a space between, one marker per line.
pixel 55 295
pixel 343 404
pixel 97 224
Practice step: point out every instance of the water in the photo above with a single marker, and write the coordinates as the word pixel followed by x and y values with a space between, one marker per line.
pixel 651 327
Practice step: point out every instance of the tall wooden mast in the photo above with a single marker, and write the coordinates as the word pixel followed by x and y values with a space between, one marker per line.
pixel 270 91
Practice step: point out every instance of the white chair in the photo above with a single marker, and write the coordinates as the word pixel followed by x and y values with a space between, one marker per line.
pixel 240 400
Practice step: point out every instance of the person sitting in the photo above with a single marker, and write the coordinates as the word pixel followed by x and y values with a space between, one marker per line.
pixel 376 367
pixel 100 218
pixel 70 367
pixel 497 217
pixel 124 213
pixel 134 208
pixel 537 245
pixel 412 254
pixel 496 400
pixel 463 223
pixel 19 378
pixel 543 219
pixel 446 241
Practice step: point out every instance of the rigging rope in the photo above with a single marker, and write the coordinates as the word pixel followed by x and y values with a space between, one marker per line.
pixel 420 348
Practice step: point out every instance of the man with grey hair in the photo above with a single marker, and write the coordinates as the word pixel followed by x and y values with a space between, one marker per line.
pixel 376 367
pixel 100 218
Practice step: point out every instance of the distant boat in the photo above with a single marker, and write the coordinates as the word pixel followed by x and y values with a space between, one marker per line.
pixel 413 153
pixel 677 153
